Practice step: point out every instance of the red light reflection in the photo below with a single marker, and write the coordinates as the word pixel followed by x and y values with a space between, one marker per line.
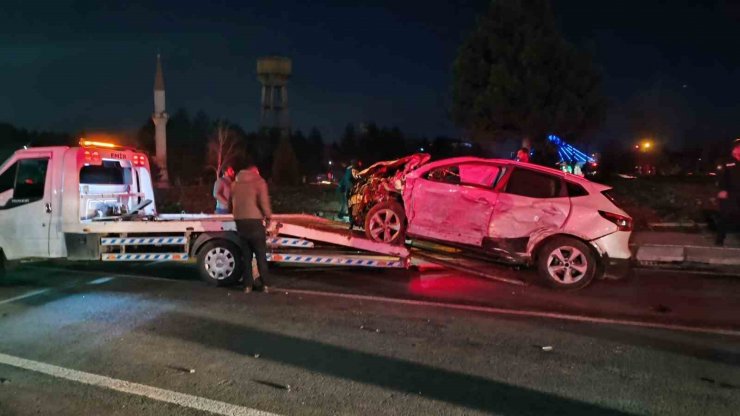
pixel 447 284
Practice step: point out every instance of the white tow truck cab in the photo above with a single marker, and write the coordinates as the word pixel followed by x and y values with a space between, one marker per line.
pixel 49 192
pixel 92 202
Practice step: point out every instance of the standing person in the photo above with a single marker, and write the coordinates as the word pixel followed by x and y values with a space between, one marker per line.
pixel 251 204
pixel 345 187
pixel 729 195
pixel 522 155
pixel 222 190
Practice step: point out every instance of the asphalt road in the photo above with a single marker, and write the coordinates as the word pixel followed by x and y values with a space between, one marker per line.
pixel 113 339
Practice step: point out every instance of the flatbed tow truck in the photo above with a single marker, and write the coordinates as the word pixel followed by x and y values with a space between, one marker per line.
pixel 95 202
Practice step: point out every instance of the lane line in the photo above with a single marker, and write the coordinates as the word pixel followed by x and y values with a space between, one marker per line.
pixel 719 273
pixel 24 296
pixel 100 280
pixel 115 274
pixel 515 312
pixel 136 389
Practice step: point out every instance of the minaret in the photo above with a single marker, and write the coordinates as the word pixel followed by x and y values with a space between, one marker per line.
pixel 160 126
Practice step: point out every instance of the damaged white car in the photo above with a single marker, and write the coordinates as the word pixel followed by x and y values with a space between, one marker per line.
pixel 567 226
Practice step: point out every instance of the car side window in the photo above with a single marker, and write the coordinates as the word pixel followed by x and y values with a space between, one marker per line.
pixel 484 175
pixel 31 179
pixel 533 184
pixel 445 174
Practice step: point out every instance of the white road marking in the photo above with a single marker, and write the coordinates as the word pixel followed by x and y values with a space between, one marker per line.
pixel 98 273
pixel 100 280
pixel 154 393
pixel 515 312
pixel 24 296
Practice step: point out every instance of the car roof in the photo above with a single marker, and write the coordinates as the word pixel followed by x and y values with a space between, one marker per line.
pixel 544 169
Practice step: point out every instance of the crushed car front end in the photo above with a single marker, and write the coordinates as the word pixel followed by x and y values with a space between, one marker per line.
pixel 383 181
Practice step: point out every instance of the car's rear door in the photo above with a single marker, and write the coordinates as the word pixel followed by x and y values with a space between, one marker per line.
pixel 530 202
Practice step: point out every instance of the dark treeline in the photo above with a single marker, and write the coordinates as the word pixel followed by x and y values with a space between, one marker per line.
pixel 13 138
pixel 191 140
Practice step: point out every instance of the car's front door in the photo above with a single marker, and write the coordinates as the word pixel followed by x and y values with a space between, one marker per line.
pixel 530 204
pixel 25 206
pixel 454 203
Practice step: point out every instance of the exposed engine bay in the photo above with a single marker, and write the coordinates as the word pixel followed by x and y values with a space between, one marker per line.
pixel 380 182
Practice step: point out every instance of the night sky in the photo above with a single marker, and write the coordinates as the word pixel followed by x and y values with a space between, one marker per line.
pixel 90 64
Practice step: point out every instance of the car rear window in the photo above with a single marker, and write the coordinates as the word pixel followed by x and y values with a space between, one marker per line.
pixel 575 190
pixel 611 196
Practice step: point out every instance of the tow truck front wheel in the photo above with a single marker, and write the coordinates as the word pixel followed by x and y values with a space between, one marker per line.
pixel 566 263
pixel 386 223
pixel 220 263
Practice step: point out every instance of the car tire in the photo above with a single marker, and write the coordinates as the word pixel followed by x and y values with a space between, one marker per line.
pixel 386 223
pixel 566 263
pixel 220 263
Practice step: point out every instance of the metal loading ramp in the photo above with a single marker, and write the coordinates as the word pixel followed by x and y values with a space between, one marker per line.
pixel 333 243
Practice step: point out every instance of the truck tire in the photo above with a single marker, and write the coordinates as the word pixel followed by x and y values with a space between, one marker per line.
pixel 386 223
pixel 220 263
pixel 566 263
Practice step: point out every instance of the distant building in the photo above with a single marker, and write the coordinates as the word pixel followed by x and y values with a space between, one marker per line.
pixel 273 73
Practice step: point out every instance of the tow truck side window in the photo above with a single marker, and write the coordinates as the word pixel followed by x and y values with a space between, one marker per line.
pixel 27 179
pixel 7 179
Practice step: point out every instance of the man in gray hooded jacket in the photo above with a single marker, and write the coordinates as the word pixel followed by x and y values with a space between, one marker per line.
pixel 250 203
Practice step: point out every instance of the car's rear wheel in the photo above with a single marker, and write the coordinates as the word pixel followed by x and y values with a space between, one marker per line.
pixel 220 263
pixel 386 223
pixel 566 263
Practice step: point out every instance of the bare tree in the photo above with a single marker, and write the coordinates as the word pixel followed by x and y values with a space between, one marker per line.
pixel 223 148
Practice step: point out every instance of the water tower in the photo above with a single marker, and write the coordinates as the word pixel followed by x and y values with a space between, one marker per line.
pixel 273 73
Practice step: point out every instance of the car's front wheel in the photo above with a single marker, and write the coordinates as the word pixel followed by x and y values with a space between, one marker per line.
pixel 566 263
pixel 386 223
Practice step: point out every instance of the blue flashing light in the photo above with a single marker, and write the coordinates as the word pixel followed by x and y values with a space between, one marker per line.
pixel 567 152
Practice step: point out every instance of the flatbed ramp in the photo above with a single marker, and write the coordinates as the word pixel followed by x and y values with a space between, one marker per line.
pixel 353 248
pixel 471 266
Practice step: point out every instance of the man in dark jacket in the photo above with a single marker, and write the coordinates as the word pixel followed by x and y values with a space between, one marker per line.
pixel 729 194
pixel 250 203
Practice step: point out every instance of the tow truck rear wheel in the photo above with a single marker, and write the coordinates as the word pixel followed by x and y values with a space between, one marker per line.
pixel 220 263
pixel 566 263
pixel 386 223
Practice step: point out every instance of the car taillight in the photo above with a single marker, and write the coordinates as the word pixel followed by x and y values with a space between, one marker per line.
pixel 622 222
